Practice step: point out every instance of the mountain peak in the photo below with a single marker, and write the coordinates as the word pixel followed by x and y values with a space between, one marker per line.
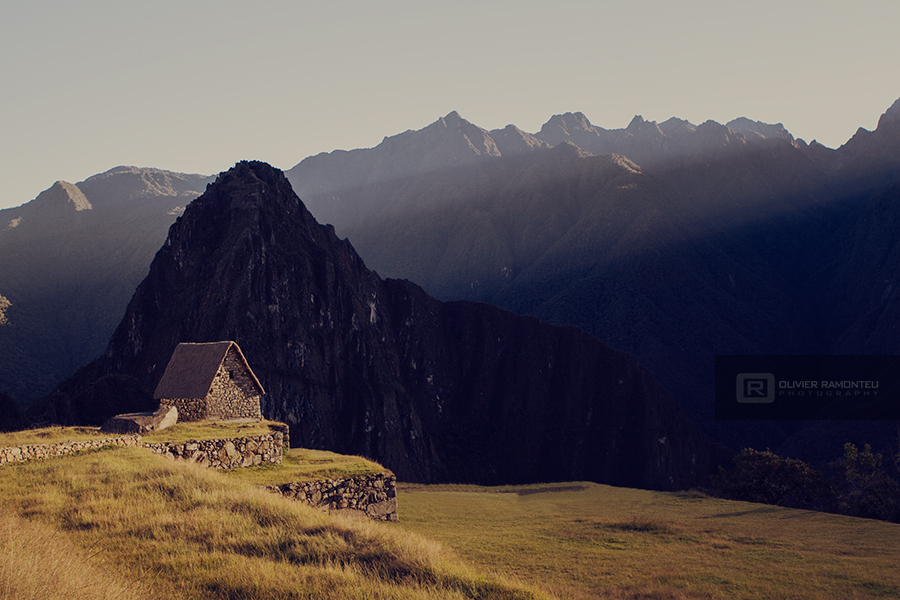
pixel 675 127
pixel 640 127
pixel 63 195
pixel 570 122
pixel 511 140
pixel 757 130
pixel 568 126
pixel 878 147
pixel 124 183
pixel 361 365
pixel 249 186
pixel 891 115
pixel 636 122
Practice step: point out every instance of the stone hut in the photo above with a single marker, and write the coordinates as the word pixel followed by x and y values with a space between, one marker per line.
pixel 210 381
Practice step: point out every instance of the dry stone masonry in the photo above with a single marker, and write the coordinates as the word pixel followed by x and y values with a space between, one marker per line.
pixel 234 392
pixel 189 409
pixel 210 381
pixel 226 453
pixel 19 454
pixel 374 496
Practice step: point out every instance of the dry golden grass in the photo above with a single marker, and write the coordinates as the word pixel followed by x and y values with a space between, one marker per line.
pixel 581 541
pixel 183 531
pixel 38 562
pixel 140 526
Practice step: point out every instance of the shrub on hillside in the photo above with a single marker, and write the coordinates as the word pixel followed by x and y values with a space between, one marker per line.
pixel 857 484
pixel 865 489
pixel 771 479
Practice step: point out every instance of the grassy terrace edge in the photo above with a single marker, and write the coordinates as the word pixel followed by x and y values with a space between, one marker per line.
pixel 299 464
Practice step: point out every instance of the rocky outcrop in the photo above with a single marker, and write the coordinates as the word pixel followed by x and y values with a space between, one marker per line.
pixel 143 422
pixel 360 365
pixel 372 496
pixel 4 305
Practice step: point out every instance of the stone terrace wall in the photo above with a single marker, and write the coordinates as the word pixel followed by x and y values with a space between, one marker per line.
pixel 374 496
pixel 34 452
pixel 226 453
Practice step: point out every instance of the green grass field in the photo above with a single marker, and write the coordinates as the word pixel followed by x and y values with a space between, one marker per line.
pixel 124 523
pixel 585 540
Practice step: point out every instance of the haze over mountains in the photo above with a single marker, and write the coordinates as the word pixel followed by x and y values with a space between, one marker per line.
pixel 333 181
pixel 70 260
pixel 438 392
pixel 686 241
pixel 706 240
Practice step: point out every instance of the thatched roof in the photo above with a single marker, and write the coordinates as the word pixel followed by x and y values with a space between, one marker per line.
pixel 193 367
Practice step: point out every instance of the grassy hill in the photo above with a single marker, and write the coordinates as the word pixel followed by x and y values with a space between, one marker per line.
pixel 128 524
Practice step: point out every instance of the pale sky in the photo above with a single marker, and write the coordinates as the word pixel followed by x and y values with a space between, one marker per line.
pixel 195 86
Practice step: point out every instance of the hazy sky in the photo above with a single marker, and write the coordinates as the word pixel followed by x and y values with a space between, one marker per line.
pixel 196 86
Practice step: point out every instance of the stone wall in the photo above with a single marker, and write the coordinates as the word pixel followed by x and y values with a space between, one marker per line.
pixel 33 452
pixel 233 394
pixel 189 409
pixel 226 453
pixel 374 496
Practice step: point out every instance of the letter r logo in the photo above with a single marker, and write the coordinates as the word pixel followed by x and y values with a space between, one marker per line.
pixel 755 388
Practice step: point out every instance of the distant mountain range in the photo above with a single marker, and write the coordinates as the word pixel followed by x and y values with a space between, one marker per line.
pixel 70 260
pixel 438 392
pixel 672 241
pixel 335 183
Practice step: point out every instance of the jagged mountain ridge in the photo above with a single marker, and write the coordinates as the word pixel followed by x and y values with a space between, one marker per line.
pixel 69 262
pixel 356 364
pixel 69 271
pixel 771 247
pixel 332 184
